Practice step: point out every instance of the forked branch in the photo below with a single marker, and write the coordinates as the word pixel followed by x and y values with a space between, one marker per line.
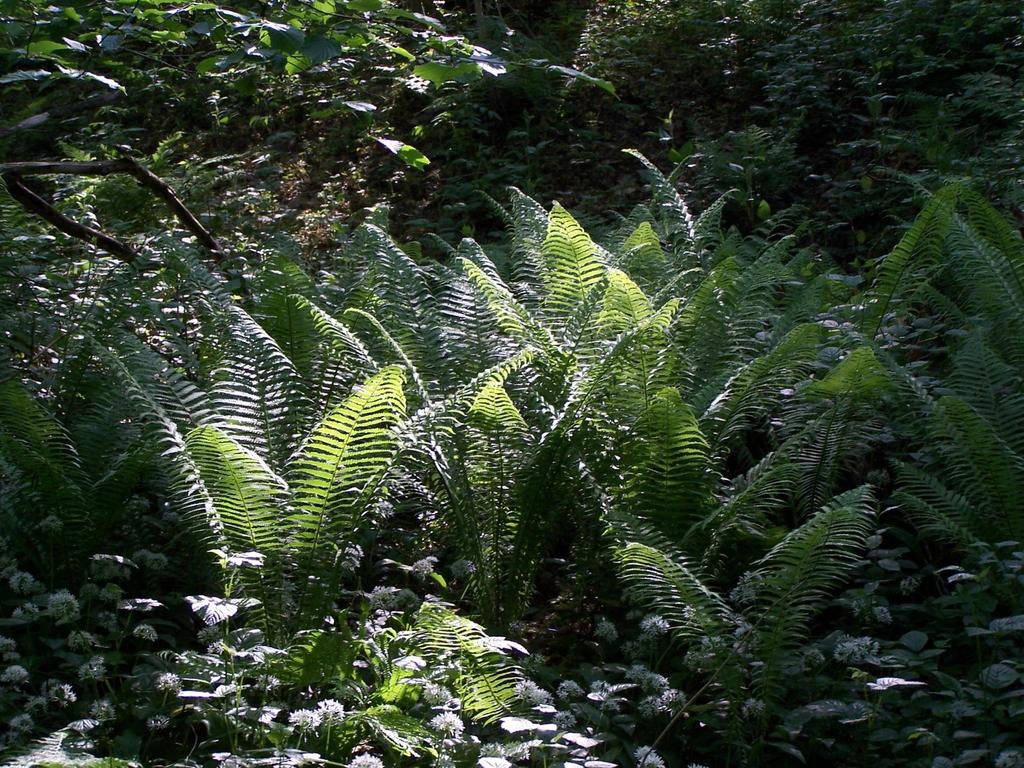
pixel 12 174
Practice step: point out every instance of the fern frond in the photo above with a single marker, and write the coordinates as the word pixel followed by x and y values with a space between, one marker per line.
pixel 337 471
pixel 487 680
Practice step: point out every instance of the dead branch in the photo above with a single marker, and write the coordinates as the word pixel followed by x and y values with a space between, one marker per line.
pixel 12 173
pixel 32 203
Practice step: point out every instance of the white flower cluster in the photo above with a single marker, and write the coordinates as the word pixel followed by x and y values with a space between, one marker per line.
pixel 8 649
pixel 460 569
pixel 753 709
pixel 564 721
pixel 327 713
pixel 855 650
pixel 436 695
pixel 647 758
pixel 881 614
pixel 532 694
pixel 448 724
pixel 746 589
pixel 21 723
pixel 23 583
pixel 384 598
pixel 331 712
pixel 656 704
pixel 79 641
pixel 145 632
pixel 15 674
pixel 102 710
pixel 94 669
pixel 168 682
pixel 650 682
pixel 605 630
pixel 909 585
pixel 158 723
pixel 423 568
pixel 569 689
pixel 304 719
pixel 61 695
pixel 366 760
pixel 1010 758
pixel 702 656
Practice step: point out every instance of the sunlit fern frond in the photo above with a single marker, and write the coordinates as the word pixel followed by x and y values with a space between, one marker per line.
pixel 336 475
pixel 488 679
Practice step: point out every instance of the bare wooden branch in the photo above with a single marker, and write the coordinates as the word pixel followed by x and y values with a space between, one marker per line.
pixel 127 165
pixel 60 111
pixel 32 203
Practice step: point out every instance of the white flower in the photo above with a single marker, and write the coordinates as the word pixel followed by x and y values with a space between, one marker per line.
pixel 102 710
pixel 423 568
pixel 21 723
pixel 881 615
pixel 449 724
pixel 305 719
pixel 746 589
pixel 366 760
pixel 653 626
pixel 569 689
pixel 1010 758
pixel 94 669
pixel 696 765
pixel 61 694
pixel 670 698
pixel 435 694
pixel 649 707
pixel 158 723
pixel 15 674
pixel 168 682
pixel 385 598
pixel 532 694
pixel 565 721
pixel 855 650
pixel 647 758
pixel 79 641
pixel 111 593
pixel 145 632
pixel 605 630
pixel 331 712
pixel 24 583
pixel 26 609
pixel 753 709
pixel 7 645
